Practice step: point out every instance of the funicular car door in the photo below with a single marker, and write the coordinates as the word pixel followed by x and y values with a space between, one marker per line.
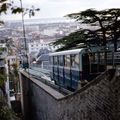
pixel 85 66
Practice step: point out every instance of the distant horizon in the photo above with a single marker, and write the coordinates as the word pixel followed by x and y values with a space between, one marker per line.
pixel 32 18
pixel 44 20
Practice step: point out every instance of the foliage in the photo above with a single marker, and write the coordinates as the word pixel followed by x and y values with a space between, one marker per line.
pixel 14 76
pixel 107 20
pixel 15 69
pixel 5 112
pixel 106 23
pixel 2 79
pixel 2 49
pixel 3 6
pixel 6 5
pixel 73 40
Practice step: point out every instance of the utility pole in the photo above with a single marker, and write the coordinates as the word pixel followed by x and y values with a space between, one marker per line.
pixel 25 65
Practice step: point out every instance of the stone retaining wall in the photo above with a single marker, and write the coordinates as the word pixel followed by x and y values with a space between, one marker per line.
pixel 98 100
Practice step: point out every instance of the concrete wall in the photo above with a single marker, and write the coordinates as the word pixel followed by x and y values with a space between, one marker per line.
pixel 115 85
pixel 98 100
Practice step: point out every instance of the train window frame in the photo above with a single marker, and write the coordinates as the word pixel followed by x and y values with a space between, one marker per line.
pixel 51 60
pixel 67 64
pixel 55 60
pixel 102 58
pixel 75 64
pixel 94 58
pixel 61 60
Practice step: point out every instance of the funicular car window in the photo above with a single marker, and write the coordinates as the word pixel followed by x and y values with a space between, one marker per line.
pixel 75 61
pixel 94 58
pixel 51 60
pixel 67 61
pixel 102 58
pixel 61 60
pixel 55 60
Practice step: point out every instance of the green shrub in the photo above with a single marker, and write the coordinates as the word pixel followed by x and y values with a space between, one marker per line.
pixel 5 112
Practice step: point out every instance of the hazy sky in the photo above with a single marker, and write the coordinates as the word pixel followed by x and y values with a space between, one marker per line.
pixel 59 8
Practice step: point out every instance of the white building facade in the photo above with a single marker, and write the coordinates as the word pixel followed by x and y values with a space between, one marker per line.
pixel 34 47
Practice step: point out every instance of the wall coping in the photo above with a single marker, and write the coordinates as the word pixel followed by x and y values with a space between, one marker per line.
pixel 98 79
pixel 55 94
